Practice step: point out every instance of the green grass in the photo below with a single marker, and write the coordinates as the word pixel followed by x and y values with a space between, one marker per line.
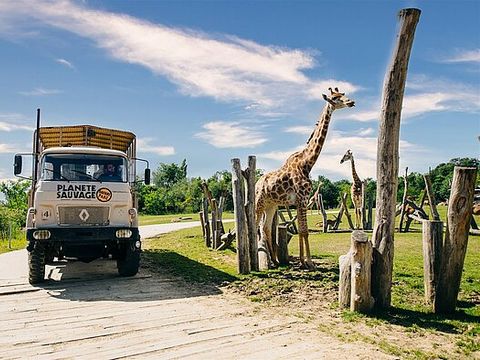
pixel 184 254
pixel 165 219
pixel 16 244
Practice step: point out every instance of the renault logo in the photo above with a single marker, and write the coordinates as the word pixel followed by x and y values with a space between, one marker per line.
pixel 84 215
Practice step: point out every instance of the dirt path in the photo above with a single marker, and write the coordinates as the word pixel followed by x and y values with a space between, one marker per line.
pixel 87 311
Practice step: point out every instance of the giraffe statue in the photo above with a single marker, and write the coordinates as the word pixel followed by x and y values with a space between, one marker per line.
pixel 291 184
pixel 356 190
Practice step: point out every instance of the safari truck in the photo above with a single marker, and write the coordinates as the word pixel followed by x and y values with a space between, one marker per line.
pixel 82 203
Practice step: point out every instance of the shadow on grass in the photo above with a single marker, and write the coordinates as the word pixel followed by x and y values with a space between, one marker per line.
pixel 439 322
pixel 189 270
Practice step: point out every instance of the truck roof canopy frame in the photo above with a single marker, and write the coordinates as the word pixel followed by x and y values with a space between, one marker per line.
pixel 87 135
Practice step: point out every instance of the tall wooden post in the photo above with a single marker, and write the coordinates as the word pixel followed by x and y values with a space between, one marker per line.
pixel 456 238
pixel 387 159
pixel 250 210
pixel 243 258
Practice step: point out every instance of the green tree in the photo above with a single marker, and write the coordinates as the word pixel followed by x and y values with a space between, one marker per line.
pixel 442 175
pixel 169 174
pixel 16 199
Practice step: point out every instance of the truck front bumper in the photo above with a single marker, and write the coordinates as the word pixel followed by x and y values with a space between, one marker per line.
pixel 84 235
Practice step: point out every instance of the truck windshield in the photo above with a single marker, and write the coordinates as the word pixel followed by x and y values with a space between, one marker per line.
pixel 84 167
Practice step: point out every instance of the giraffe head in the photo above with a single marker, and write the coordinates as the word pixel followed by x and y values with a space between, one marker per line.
pixel 348 156
pixel 337 99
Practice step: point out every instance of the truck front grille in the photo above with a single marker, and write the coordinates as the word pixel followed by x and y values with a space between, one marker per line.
pixel 83 215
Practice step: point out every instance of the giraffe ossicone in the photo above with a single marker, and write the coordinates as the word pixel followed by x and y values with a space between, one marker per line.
pixel 291 185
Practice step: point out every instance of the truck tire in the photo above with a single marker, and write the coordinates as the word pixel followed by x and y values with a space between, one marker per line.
pixel 128 265
pixel 36 264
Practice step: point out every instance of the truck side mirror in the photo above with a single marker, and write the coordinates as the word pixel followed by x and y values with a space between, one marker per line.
pixel 147 176
pixel 17 166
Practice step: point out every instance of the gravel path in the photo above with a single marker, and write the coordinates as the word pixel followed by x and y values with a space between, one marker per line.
pixel 85 311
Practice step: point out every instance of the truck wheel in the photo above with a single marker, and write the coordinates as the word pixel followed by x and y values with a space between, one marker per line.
pixel 128 265
pixel 36 264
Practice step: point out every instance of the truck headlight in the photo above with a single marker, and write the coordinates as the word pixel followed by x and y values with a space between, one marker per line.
pixel 123 233
pixel 41 234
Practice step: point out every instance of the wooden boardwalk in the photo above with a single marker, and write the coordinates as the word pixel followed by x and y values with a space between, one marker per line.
pixel 85 311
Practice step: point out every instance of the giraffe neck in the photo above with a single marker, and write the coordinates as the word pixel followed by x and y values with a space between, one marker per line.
pixel 317 139
pixel 356 178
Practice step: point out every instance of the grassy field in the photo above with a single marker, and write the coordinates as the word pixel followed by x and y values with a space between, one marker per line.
pixel 164 219
pixel 407 330
pixel 16 244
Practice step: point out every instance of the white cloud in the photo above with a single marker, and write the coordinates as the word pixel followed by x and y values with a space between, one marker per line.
pixel 463 56
pixel 13 122
pixel 144 145
pixel 40 92
pixel 7 148
pixel 226 68
pixel 65 63
pixel 302 130
pixel 425 95
pixel 222 134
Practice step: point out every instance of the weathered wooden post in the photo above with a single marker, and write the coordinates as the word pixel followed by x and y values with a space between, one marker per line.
pixel 431 198
pixel 243 258
pixel 347 214
pixel 432 238
pixel 250 210
pixel 456 238
pixel 208 239
pixel 345 281
pixel 214 225
pixel 404 200
pixel 387 159
pixel 363 214
pixel 361 299
pixel 324 214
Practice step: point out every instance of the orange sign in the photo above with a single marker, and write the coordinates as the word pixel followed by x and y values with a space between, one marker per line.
pixel 104 194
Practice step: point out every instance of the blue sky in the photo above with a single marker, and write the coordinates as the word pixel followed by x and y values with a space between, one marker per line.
pixel 212 80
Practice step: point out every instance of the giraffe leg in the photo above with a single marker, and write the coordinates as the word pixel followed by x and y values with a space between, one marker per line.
pixel 267 230
pixel 305 259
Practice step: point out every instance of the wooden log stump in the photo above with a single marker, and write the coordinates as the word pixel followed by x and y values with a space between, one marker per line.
pixel 345 281
pixel 361 273
pixel 432 254
pixel 456 238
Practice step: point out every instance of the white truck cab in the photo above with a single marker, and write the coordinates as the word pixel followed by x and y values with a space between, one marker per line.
pixel 82 203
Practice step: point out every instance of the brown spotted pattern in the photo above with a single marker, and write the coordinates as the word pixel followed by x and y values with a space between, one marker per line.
pixel 291 185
